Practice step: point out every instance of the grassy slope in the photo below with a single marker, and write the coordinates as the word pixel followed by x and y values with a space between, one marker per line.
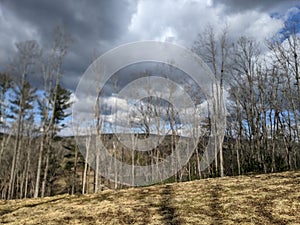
pixel 257 199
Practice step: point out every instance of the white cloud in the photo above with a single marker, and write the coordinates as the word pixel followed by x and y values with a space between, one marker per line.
pixel 117 103
pixel 179 20
pixel 182 21
pixel 254 24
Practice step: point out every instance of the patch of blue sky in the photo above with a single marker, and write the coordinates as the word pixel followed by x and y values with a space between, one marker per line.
pixel 292 22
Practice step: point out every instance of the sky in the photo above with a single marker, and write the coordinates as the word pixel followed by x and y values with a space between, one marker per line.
pixel 97 26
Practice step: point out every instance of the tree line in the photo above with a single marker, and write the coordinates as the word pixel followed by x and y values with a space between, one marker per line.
pixel 260 89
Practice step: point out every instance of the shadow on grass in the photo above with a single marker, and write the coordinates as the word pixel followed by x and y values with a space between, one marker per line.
pixel 215 205
pixel 264 212
pixel 166 208
pixel 42 203
pixel 7 211
pixel 143 209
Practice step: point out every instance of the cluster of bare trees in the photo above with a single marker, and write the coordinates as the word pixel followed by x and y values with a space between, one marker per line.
pixel 262 133
pixel 260 89
pixel 30 121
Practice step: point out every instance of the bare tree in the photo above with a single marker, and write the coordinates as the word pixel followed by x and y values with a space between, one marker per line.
pixel 22 67
pixel 51 70
pixel 215 50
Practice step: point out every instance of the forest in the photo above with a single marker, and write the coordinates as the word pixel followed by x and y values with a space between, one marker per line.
pixel 259 82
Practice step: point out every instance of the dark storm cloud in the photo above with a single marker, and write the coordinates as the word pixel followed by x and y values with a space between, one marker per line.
pixel 234 6
pixel 87 20
pixel 92 25
pixel 99 25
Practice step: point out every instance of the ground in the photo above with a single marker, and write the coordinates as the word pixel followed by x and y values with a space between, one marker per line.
pixel 254 199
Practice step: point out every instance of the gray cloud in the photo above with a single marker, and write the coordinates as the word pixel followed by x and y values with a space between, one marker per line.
pixel 234 6
pixel 93 25
pixel 87 20
pixel 98 25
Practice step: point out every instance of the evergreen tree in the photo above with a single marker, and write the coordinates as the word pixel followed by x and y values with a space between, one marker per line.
pixel 62 104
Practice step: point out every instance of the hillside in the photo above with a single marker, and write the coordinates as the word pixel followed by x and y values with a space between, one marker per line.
pixel 253 199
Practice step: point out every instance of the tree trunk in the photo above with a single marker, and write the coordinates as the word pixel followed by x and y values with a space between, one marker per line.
pixel 39 168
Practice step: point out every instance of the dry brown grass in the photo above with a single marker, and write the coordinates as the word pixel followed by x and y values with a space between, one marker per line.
pixel 257 199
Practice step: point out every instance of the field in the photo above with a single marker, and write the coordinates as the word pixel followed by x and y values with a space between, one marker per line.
pixel 254 199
